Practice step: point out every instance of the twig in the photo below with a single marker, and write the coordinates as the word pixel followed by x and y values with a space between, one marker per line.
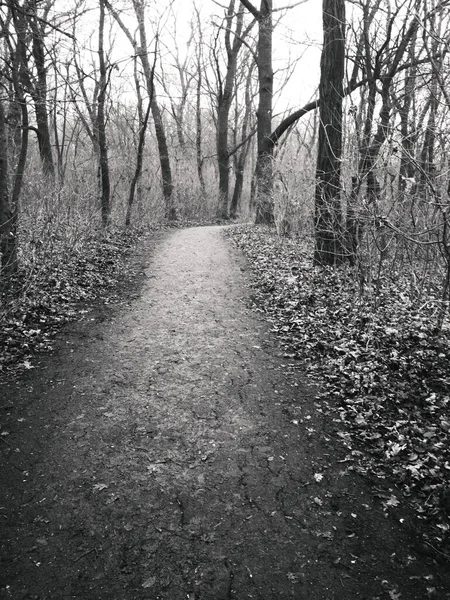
pixel 85 554
pixel 438 551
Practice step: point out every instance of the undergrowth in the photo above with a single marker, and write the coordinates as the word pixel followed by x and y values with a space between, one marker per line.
pixel 385 370
pixel 54 287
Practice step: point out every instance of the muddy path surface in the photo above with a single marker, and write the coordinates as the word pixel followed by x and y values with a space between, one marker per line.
pixel 168 450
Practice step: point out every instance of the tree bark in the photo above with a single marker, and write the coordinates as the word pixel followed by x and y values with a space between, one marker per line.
pixel 8 246
pixel 101 124
pixel 328 218
pixel 264 161
pixel 240 157
pixel 164 158
pixel 138 169
pixel 225 98
pixel 10 198
pixel 39 91
pixel 199 132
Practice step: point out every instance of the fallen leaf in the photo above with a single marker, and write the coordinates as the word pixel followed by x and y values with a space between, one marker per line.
pixel 150 582
pixel 100 486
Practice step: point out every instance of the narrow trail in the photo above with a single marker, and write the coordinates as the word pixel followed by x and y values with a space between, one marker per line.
pixel 170 452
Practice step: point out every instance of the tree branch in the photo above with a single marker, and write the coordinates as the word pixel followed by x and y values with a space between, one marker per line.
pixel 298 114
pixel 249 6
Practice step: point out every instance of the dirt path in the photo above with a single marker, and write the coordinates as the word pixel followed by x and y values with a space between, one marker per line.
pixel 171 452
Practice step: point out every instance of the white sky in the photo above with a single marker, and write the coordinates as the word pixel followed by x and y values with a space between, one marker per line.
pixel 297 36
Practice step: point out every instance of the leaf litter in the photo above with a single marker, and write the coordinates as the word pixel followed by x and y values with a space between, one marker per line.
pixel 384 369
pixel 39 300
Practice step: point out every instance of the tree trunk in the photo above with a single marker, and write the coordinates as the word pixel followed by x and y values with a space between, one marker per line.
pixel 8 246
pixel 199 129
pixel 101 124
pixel 328 218
pixel 10 200
pixel 264 161
pixel 263 177
pixel 39 92
pixel 242 153
pixel 225 98
pixel 138 169
pixel 164 159
pixel 238 187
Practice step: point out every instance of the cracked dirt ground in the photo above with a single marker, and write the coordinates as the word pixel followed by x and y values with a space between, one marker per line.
pixel 168 450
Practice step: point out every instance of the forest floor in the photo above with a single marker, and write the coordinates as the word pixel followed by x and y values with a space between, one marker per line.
pixel 168 449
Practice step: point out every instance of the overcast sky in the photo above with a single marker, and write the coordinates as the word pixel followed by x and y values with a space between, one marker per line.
pixel 298 35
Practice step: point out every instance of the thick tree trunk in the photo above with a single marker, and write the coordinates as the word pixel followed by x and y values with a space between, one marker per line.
pixel 262 192
pixel 39 93
pixel 9 211
pixel 264 164
pixel 328 218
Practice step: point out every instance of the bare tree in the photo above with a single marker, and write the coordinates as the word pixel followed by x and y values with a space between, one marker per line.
pixel 243 142
pixel 8 246
pixel 233 39
pixel 264 163
pixel 15 71
pixel 198 105
pixel 141 49
pixel 101 122
pixel 38 85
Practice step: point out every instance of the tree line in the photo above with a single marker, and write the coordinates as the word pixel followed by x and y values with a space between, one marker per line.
pixel 108 116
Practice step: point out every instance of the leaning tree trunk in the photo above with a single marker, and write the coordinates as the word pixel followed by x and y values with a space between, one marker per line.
pixel 138 169
pixel 328 226
pixel 163 149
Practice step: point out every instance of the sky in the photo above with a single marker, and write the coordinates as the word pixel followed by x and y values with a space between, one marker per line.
pixel 297 37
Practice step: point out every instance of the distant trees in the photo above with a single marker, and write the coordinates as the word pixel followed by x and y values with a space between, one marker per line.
pixel 141 48
pixel 104 120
